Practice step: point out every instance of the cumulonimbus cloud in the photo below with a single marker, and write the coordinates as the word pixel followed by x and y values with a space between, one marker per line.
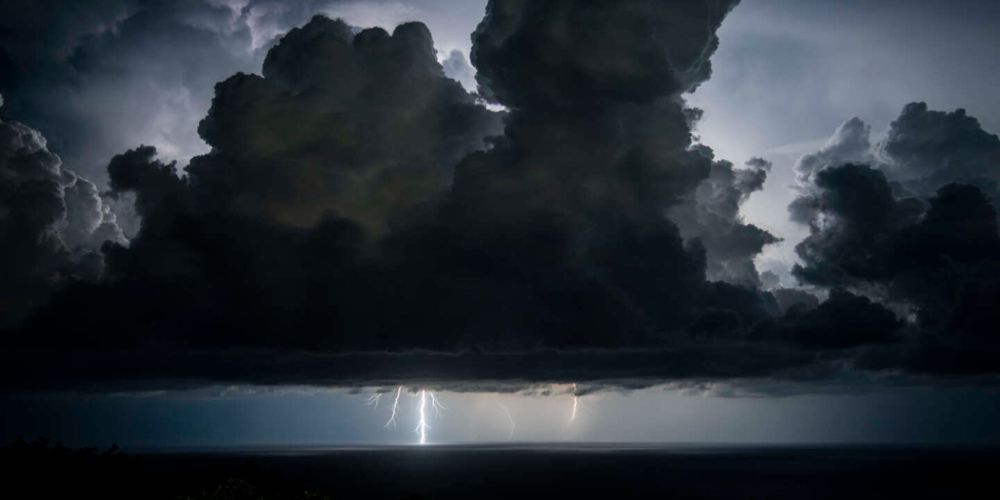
pixel 915 227
pixel 363 219
pixel 52 223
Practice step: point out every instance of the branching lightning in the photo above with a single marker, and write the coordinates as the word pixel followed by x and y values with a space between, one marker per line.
pixel 438 407
pixel 395 406
pixel 428 400
pixel 423 398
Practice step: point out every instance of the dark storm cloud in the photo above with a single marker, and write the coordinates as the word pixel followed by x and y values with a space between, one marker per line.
pixel 340 210
pixel 566 77
pixel 556 54
pixel 917 230
pixel 100 77
pixel 362 219
pixel 457 371
pixel 270 239
pixel 51 223
pixel 853 216
pixel 923 150
pixel 363 126
pixel 926 149
pixel 942 263
pixel 787 298
pixel 843 321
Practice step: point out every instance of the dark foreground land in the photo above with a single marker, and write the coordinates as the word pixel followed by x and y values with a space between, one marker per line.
pixel 37 470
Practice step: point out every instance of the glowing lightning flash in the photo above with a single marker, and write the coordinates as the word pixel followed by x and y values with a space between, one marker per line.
pixel 430 399
pixel 395 406
pixel 422 422
pixel 438 407
pixel 576 402
pixel 510 419
pixel 426 399
pixel 424 396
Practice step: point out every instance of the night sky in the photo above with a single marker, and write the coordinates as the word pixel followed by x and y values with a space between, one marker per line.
pixel 253 222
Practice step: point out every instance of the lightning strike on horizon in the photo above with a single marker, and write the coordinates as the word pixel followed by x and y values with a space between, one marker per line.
pixel 438 407
pixel 422 421
pixel 576 401
pixel 428 398
pixel 509 419
pixel 395 406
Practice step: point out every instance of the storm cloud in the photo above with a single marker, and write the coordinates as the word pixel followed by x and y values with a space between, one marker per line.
pixel 52 223
pixel 100 77
pixel 362 218
pixel 915 228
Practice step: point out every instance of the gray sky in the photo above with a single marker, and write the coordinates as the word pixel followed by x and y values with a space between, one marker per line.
pixel 787 73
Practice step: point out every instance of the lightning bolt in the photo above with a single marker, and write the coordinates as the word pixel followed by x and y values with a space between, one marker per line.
pixel 423 398
pixel 427 399
pixel 510 419
pixel 395 406
pixel 576 402
pixel 422 421
pixel 438 407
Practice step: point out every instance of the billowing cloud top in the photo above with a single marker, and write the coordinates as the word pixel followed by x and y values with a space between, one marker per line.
pixel 912 222
pixel 363 219
pixel 578 55
pixel 51 223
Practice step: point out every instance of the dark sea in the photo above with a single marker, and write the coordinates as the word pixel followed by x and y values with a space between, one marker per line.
pixel 585 471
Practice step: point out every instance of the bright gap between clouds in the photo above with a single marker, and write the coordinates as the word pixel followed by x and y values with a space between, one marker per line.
pixel 671 415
